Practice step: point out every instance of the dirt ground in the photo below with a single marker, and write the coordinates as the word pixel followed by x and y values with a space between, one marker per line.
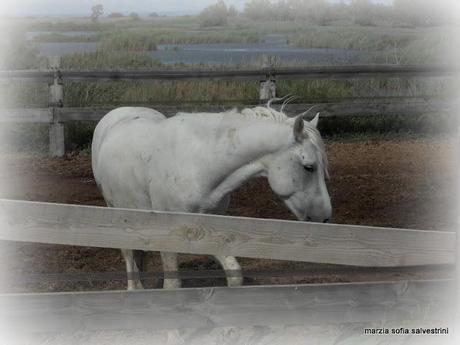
pixel 408 183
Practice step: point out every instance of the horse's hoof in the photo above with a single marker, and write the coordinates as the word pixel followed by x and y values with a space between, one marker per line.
pixel 235 281
pixel 171 284
pixel 135 285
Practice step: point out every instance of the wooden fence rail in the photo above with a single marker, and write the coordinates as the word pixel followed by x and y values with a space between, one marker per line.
pixel 56 115
pixel 381 303
pixel 392 106
pixel 223 235
pixel 313 72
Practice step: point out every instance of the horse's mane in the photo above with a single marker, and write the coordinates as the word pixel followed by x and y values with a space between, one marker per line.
pixel 268 113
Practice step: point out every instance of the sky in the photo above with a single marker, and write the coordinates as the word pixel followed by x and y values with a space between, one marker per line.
pixel 83 7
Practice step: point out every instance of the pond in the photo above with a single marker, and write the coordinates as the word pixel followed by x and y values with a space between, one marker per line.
pixel 227 53
pixel 65 48
pixel 30 35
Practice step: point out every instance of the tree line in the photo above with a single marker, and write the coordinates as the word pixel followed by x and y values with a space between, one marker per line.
pixel 405 13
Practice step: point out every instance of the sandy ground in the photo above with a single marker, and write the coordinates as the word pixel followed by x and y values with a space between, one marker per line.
pixel 408 183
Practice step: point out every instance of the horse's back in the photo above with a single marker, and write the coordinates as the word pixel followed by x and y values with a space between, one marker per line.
pixel 116 117
pixel 116 167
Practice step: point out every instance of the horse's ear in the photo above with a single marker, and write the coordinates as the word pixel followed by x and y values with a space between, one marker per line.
pixel 314 122
pixel 298 128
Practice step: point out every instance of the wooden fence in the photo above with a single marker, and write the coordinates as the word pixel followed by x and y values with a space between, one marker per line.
pixel 259 313
pixel 223 235
pixel 316 314
pixel 246 310
pixel 57 115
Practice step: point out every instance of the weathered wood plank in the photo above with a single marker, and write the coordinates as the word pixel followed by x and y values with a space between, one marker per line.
pixel 26 115
pixel 358 108
pixel 317 270
pixel 404 107
pixel 316 304
pixel 56 129
pixel 223 235
pixel 313 72
pixel 28 75
pixel 386 107
pixel 56 139
pixel 328 334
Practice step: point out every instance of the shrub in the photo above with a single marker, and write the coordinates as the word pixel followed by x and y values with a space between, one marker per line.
pixel 116 15
pixel 134 16
pixel 106 59
pixel 215 15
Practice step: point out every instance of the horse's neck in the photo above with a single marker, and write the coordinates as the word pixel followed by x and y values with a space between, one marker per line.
pixel 241 150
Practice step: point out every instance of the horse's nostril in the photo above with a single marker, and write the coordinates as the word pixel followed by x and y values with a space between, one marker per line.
pixel 326 220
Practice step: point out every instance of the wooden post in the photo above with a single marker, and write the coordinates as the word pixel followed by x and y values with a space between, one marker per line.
pixel 457 258
pixel 267 86
pixel 56 129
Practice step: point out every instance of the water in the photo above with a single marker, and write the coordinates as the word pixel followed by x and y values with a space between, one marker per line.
pixel 227 53
pixel 243 53
pixel 30 35
pixel 65 48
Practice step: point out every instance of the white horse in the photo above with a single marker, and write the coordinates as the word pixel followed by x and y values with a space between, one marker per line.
pixel 192 162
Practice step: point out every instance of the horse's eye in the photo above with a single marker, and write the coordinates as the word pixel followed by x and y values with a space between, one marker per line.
pixel 309 168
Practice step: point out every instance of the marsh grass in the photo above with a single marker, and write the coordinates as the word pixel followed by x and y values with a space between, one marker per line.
pixel 128 41
pixel 59 37
pixel 353 37
pixel 125 44
pixel 387 45
pixel 430 48
pixel 108 59
pixel 148 39
pixel 150 92
pixel 107 24
pixel 77 94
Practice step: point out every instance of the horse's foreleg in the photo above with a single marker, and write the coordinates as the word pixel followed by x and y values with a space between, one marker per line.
pixel 134 281
pixel 232 269
pixel 139 259
pixel 170 268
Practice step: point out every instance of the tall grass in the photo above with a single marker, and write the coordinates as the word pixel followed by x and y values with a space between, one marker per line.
pixel 430 48
pixel 126 46
pixel 128 41
pixel 108 59
pixel 108 24
pixel 358 38
pixel 151 92
pixel 396 46
pixel 147 39
pixel 59 37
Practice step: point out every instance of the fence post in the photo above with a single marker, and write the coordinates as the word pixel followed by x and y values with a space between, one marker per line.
pixel 56 129
pixel 267 86
pixel 457 257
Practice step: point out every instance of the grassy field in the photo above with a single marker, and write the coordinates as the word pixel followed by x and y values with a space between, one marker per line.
pixel 386 44
pixel 124 43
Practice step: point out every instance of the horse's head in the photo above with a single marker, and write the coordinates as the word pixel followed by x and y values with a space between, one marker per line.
pixel 297 174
